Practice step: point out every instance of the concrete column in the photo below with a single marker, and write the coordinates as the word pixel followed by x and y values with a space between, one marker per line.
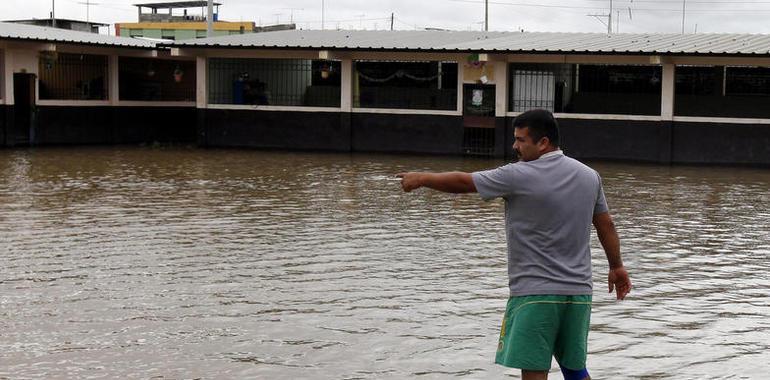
pixel 346 85
pixel 7 80
pixel 460 85
pixel 113 86
pixel 201 99
pixel 201 82
pixel 501 88
pixel 667 92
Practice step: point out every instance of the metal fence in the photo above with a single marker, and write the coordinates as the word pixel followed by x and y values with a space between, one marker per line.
pixel 156 79
pixel 73 76
pixel 590 89
pixel 282 82
pixel 405 85
pixel 722 91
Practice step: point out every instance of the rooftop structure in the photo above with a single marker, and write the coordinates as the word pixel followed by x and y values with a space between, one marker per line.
pixel 163 23
pixel 166 13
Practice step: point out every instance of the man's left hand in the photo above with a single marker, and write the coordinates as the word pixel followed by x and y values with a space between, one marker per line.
pixel 619 281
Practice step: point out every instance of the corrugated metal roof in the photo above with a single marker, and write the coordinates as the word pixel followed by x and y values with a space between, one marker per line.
pixel 48 20
pixel 496 42
pixel 44 34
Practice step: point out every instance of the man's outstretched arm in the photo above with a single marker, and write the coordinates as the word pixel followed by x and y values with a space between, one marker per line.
pixel 451 182
pixel 618 276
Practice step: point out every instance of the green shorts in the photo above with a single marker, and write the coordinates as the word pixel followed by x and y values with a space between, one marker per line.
pixel 536 328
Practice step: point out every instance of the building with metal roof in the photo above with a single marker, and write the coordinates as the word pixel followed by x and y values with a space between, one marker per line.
pixel 649 97
pixel 646 97
pixel 68 87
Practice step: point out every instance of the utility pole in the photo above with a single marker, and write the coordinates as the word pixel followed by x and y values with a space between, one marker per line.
pixel 53 13
pixel 486 15
pixel 323 14
pixel 684 5
pixel 392 17
pixel 210 19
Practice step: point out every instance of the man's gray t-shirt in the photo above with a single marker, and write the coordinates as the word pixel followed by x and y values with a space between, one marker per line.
pixel 549 207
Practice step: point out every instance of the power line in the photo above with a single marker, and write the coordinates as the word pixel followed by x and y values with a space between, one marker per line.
pixel 670 1
pixel 605 8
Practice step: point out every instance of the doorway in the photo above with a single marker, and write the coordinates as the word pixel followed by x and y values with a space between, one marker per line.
pixel 22 131
pixel 479 119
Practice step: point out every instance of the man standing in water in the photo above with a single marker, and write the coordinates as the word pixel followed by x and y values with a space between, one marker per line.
pixel 550 203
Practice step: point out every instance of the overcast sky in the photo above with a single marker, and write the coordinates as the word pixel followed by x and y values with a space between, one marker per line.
pixel 631 16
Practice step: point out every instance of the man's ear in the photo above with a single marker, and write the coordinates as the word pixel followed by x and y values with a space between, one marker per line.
pixel 544 142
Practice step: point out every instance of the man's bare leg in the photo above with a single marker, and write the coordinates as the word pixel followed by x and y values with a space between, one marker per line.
pixel 534 375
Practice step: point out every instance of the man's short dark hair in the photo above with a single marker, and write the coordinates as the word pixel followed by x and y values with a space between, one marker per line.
pixel 540 123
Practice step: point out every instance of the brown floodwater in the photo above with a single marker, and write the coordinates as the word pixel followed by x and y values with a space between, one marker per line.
pixel 183 263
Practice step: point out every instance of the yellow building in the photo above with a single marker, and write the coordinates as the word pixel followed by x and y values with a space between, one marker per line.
pixel 176 21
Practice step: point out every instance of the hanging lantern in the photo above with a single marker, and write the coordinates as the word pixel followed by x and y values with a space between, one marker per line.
pixel 654 80
pixel 325 71
pixel 178 74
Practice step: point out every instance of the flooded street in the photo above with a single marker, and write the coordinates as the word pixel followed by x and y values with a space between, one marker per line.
pixel 183 263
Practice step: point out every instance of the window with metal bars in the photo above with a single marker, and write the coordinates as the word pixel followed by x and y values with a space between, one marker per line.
pixel 280 82
pixel 405 85
pixel 722 91
pixel 589 89
pixel 156 79
pixel 479 141
pixel 66 76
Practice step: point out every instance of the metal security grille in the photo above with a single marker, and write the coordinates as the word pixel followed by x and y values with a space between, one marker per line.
pixel 282 82
pixel 156 79
pixel 405 85
pixel 534 86
pixel 590 89
pixel 479 141
pixel 73 76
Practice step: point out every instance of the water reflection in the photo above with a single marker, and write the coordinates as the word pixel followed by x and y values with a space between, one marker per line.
pixel 126 262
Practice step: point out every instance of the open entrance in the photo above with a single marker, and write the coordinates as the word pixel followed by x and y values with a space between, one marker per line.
pixel 23 131
pixel 479 119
